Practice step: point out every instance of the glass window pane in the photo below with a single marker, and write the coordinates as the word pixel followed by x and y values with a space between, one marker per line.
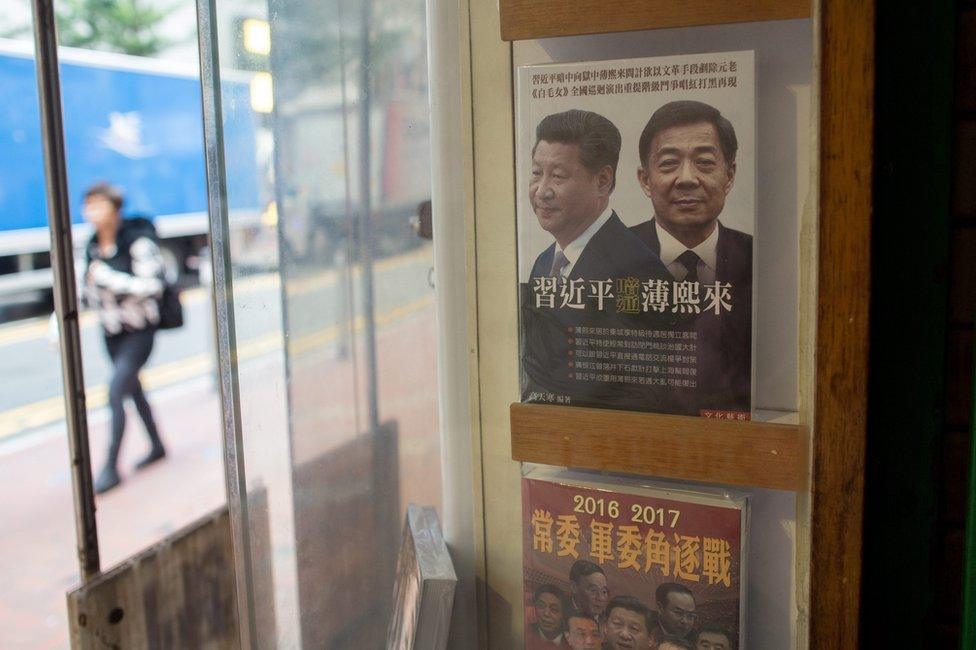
pixel 130 96
pixel 326 140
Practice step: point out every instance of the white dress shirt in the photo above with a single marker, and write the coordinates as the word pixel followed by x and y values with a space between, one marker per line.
pixel 672 249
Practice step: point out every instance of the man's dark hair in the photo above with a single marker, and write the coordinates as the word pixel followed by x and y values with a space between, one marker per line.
pixel 681 643
pixel 665 589
pixel 549 589
pixel 110 192
pixel 573 613
pixel 683 113
pixel 583 568
pixel 631 604
pixel 711 629
pixel 596 136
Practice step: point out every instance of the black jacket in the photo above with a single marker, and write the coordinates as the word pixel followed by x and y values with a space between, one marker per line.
pixel 125 286
pixel 548 335
pixel 725 341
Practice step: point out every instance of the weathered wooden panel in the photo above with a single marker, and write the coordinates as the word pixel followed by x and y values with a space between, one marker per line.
pixel 718 451
pixel 178 593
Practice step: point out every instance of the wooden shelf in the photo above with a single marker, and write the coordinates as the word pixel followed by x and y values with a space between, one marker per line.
pixel 530 19
pixel 757 454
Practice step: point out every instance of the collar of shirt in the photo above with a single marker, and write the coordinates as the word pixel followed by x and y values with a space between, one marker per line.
pixel 671 249
pixel 661 632
pixel 575 248
pixel 557 640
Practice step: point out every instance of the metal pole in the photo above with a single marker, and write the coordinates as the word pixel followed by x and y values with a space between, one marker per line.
pixel 224 319
pixel 65 296
pixel 365 217
pixel 347 327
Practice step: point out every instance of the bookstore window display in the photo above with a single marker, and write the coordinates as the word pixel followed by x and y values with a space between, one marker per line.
pixel 660 186
pixel 754 193
pixel 768 109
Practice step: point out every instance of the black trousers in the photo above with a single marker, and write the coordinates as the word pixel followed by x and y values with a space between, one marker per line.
pixel 129 352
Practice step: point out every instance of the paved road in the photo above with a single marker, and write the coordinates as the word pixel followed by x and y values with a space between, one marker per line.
pixel 30 372
pixel 38 560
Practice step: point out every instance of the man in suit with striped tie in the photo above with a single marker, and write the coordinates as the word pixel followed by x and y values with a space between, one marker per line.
pixel 574 170
pixel 687 169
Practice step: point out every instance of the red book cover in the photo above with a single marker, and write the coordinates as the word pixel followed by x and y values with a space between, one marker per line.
pixel 610 563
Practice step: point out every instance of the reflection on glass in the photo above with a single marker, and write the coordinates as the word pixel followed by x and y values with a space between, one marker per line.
pixel 257 36
pixel 333 305
pixel 262 93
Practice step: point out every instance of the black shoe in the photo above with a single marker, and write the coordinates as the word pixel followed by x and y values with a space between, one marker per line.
pixel 107 479
pixel 157 453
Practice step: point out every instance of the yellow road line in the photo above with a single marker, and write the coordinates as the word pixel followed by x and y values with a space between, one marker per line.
pixel 51 410
pixel 36 328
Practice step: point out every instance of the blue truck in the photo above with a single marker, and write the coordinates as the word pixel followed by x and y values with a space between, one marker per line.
pixel 131 121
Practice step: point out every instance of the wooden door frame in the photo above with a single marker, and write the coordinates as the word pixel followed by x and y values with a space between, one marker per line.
pixel 843 297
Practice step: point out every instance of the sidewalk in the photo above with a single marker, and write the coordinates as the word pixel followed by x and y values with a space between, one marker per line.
pixel 38 561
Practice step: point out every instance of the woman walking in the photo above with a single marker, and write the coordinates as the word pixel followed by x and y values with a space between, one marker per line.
pixel 124 282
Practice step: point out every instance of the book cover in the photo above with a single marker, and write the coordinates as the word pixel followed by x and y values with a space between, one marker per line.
pixel 612 563
pixel 636 213
pixel 425 585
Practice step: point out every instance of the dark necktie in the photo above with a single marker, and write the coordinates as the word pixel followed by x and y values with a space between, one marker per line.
pixel 689 259
pixel 559 262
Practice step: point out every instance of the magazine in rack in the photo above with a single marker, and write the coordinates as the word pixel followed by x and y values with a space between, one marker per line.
pixel 636 189
pixel 627 561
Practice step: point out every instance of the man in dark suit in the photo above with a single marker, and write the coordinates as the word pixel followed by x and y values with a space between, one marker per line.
pixel 676 616
pixel 548 630
pixel 574 168
pixel 687 168
pixel 574 171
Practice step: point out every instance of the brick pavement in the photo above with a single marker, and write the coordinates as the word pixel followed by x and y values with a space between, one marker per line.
pixel 36 518
pixel 38 562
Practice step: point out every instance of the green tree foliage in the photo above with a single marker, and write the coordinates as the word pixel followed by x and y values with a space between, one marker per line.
pixel 127 26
